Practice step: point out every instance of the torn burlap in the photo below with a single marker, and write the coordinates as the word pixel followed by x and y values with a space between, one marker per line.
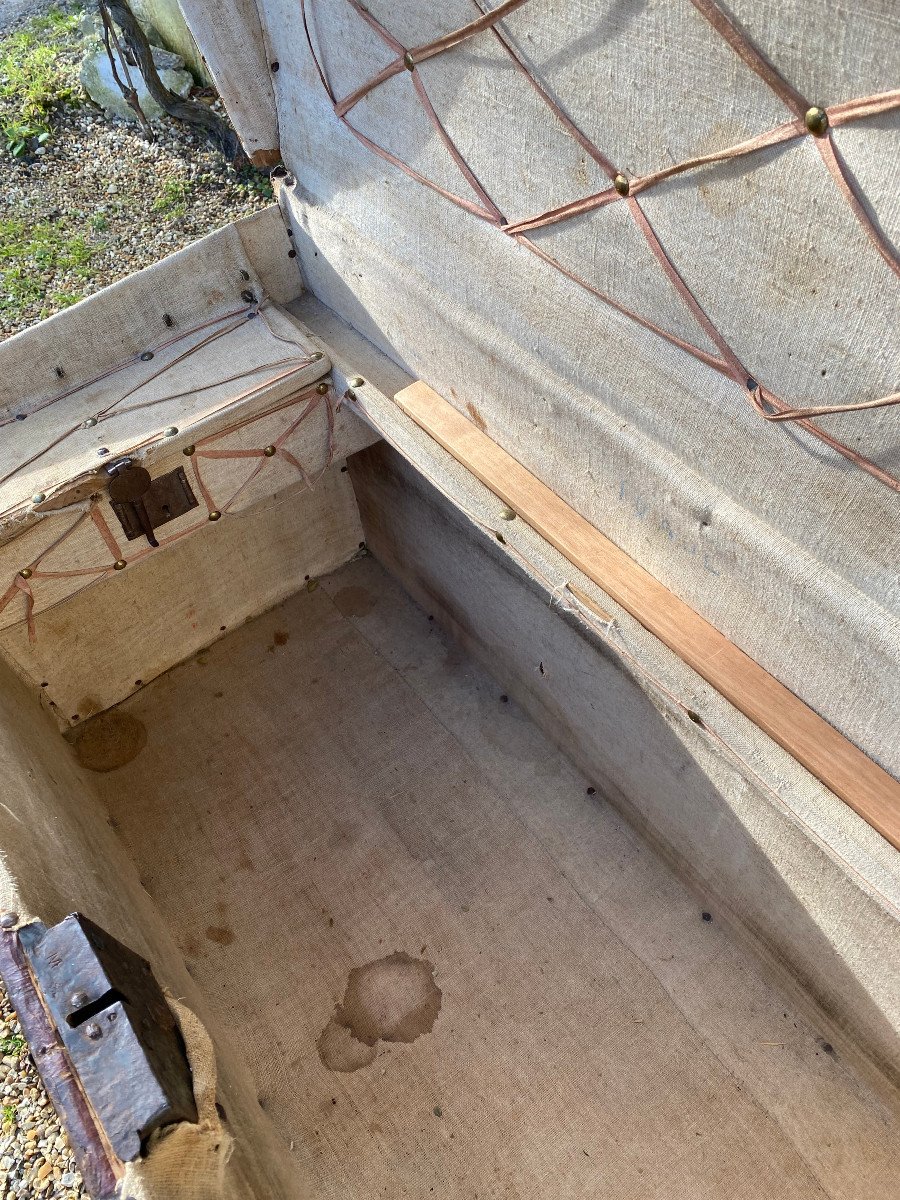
pixel 187 1161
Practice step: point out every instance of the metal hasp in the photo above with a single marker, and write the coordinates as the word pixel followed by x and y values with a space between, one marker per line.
pixel 118 1031
pixel 143 504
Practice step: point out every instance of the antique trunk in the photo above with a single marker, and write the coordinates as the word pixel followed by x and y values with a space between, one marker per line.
pixel 449 623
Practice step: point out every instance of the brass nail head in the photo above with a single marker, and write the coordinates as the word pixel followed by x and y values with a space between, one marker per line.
pixel 214 515
pixel 120 564
pixel 8 920
pixel 318 356
pixel 268 451
pixel 350 394
pixel 26 572
pixel 322 388
pixel 189 450
pixel 38 497
pixel 409 62
pixel 358 381
pixel 621 184
pixel 507 513
pixel 816 120
pixel 90 422
pixel 171 431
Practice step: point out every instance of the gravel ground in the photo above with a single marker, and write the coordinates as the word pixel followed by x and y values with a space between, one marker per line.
pixel 95 203
pixel 35 1159
pixel 99 201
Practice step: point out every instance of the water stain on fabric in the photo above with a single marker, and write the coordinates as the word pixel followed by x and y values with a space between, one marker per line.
pixel 394 999
pixel 280 637
pixel 354 601
pixel 110 741
pixel 219 934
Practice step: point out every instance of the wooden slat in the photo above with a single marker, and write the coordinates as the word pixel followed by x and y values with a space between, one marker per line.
pixel 820 748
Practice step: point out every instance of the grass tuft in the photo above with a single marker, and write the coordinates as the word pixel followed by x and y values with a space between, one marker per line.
pixel 30 254
pixel 171 198
pixel 38 72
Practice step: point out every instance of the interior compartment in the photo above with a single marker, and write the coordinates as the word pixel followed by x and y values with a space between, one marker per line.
pixel 478 889
pixel 338 782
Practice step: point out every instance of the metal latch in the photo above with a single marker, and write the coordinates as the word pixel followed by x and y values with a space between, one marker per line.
pixel 142 503
pixel 103 1038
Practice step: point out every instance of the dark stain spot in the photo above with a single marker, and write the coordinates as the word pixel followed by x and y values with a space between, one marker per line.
pixel 706 916
pixel 476 416
pixel 354 601
pixel 394 999
pixel 220 934
pixel 339 1050
pixel 110 741
pixel 191 947
pixel 280 637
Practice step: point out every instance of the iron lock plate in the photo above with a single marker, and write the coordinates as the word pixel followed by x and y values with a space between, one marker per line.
pixel 167 497
pixel 117 1029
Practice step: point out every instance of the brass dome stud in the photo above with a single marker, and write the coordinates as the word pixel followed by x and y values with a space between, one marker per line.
pixel 120 564
pixel 26 572
pixel 269 451
pixel 816 121
pixel 215 515
pixel 621 184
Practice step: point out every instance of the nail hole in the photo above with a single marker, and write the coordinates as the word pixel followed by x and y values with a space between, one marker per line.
pixel 706 916
pixel 274 66
pixel 168 320
pixel 60 372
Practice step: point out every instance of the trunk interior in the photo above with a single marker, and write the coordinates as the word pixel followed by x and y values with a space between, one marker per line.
pixel 450 964
pixel 475 887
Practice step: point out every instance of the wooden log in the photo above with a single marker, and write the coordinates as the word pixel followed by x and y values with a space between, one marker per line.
pixel 815 744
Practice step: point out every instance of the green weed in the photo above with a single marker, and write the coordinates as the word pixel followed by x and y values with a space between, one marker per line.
pixel 38 72
pixel 171 199
pixel 12 1044
pixel 28 253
